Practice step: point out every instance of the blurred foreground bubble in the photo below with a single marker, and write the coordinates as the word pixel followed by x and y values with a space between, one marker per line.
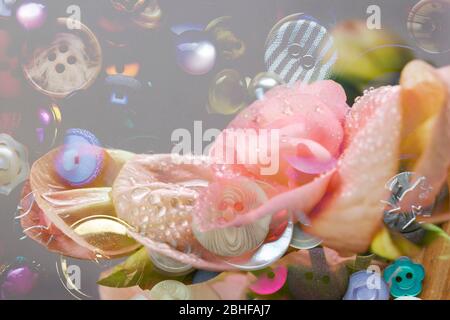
pixel 18 279
pixel 429 25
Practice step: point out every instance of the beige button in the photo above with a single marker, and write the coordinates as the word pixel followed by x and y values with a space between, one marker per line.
pixel 70 61
pixel 171 290
pixel 236 241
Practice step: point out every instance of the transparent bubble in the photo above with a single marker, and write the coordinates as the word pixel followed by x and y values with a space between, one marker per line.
pixel 195 53
pixel 150 16
pixel 300 49
pixel 36 126
pixel 229 45
pixel 429 25
pixel 68 61
pixel 129 6
pixel 262 83
pixel 46 122
pixel 31 15
pixel 227 93
pixel 19 278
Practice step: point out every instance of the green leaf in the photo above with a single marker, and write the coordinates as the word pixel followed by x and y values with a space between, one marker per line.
pixel 434 232
pixel 137 270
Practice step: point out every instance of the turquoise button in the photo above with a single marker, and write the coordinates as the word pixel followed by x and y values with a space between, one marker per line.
pixel 404 277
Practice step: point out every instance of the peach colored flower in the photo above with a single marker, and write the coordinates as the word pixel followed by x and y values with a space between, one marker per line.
pixel 334 163
pixel 309 120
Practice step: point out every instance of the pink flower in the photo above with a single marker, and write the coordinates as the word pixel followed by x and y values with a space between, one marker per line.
pixel 334 163
pixel 308 120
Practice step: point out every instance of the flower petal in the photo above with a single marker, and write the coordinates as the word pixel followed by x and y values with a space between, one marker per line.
pixel 350 217
pixel 157 195
pixel 38 230
pixel 433 161
pixel 56 199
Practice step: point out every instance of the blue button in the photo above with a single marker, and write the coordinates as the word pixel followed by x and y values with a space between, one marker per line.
pixel 80 160
pixel 367 285
pixel 404 277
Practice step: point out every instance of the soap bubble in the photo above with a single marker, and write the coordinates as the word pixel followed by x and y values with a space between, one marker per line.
pixel 31 15
pixel 429 25
pixel 225 36
pixel 227 93
pixel 262 83
pixel 195 53
pixel 18 279
pixel 34 124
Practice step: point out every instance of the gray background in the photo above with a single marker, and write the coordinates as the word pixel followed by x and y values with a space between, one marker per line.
pixel 174 101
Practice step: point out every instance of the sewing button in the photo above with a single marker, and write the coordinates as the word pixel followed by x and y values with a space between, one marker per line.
pixel 404 277
pixel 366 285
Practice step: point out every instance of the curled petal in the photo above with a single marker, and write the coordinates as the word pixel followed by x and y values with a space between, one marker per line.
pixel 311 158
pixel 35 227
pixel 349 218
pixel 432 91
pixel 62 205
